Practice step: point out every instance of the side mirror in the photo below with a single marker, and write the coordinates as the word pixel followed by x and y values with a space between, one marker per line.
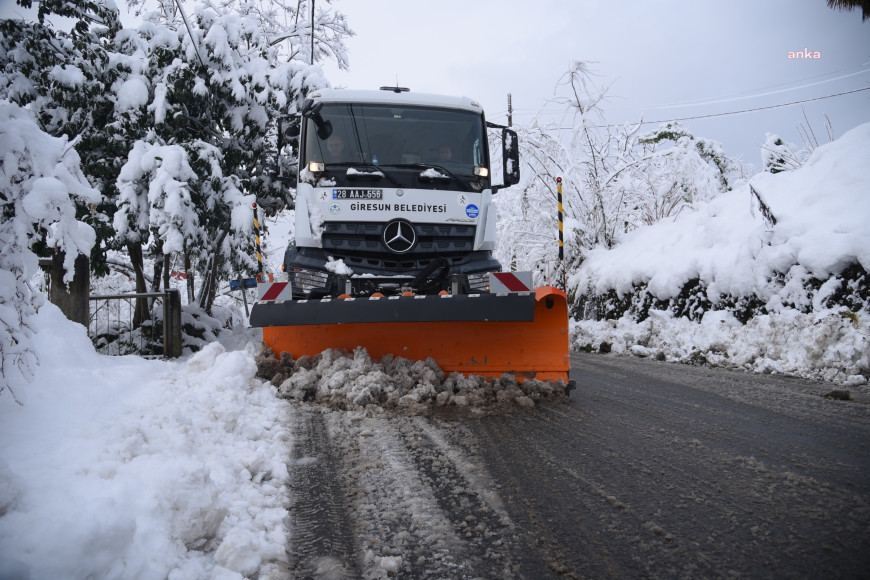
pixel 324 128
pixel 510 156
pixel 310 108
pixel 288 131
pixel 285 131
pixel 292 130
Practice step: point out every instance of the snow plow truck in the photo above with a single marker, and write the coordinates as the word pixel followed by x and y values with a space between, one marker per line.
pixel 394 237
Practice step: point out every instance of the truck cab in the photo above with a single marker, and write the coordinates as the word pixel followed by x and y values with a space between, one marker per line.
pixel 394 195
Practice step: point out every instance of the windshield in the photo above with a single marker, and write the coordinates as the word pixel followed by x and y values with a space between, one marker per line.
pixel 396 138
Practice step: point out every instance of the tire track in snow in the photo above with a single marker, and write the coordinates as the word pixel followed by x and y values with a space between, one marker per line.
pixel 486 531
pixel 419 508
pixel 321 543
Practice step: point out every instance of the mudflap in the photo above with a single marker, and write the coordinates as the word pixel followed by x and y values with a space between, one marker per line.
pixel 522 334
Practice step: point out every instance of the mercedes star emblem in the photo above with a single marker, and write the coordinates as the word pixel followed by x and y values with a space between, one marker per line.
pixel 399 236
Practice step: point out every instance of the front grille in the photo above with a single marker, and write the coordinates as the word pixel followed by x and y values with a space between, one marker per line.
pixel 362 243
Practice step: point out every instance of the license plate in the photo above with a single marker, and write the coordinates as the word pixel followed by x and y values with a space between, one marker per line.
pixel 357 193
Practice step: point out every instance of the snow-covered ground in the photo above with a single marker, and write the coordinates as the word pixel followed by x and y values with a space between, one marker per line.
pixel 815 222
pixel 122 467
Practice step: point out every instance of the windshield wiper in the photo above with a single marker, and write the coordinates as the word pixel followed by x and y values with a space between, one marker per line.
pixel 445 173
pixel 363 170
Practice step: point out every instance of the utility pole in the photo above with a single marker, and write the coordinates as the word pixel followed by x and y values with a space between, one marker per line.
pixel 561 241
pixel 312 32
pixel 510 112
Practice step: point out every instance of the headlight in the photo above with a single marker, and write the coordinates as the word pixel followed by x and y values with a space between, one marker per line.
pixel 479 282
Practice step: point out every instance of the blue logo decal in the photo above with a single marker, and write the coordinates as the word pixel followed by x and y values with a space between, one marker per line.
pixel 471 210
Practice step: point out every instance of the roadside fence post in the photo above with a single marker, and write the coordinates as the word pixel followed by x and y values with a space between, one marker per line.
pixel 172 323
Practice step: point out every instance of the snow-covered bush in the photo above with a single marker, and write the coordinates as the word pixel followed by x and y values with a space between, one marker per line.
pixel 39 178
pixel 778 155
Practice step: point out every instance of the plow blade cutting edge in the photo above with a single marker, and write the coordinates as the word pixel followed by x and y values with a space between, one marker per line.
pixel 522 334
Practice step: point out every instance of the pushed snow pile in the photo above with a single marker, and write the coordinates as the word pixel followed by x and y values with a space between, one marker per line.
pixel 341 380
pixel 120 467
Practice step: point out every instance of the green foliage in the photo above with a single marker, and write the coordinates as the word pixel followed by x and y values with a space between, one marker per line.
pixel 668 132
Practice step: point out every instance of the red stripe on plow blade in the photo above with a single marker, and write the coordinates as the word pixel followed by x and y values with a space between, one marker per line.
pixel 274 290
pixel 511 282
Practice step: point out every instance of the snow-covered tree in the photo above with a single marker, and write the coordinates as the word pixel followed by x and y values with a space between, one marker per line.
pixel 778 155
pixel 210 81
pixel 614 179
pixel 67 79
pixel 287 25
pixel 670 178
pixel 595 164
pixel 154 204
pixel 528 212
pixel 218 89
pixel 40 176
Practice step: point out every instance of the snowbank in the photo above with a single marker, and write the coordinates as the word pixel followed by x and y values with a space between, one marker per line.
pixel 789 252
pixel 340 380
pixel 832 348
pixel 125 467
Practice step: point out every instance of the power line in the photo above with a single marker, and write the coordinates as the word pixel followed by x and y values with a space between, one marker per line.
pixel 736 112
pixel 749 94
pixel 752 93
pixel 743 97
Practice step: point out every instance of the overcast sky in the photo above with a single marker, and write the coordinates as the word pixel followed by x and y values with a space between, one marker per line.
pixel 651 53
pixel 729 56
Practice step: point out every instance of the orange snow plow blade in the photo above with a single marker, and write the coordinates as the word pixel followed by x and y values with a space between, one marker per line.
pixel 488 335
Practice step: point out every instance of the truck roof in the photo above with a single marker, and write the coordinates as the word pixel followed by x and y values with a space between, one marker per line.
pixel 392 97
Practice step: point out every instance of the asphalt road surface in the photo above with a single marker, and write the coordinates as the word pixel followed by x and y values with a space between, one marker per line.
pixel 653 470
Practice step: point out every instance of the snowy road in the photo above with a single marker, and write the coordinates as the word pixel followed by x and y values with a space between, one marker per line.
pixel 652 470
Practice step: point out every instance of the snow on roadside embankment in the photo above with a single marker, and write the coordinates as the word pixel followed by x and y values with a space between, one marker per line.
pixel 125 467
pixel 788 254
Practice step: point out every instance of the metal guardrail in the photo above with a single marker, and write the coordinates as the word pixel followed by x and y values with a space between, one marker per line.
pixel 118 336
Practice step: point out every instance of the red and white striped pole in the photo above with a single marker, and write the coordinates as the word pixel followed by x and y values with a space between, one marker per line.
pixel 257 241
